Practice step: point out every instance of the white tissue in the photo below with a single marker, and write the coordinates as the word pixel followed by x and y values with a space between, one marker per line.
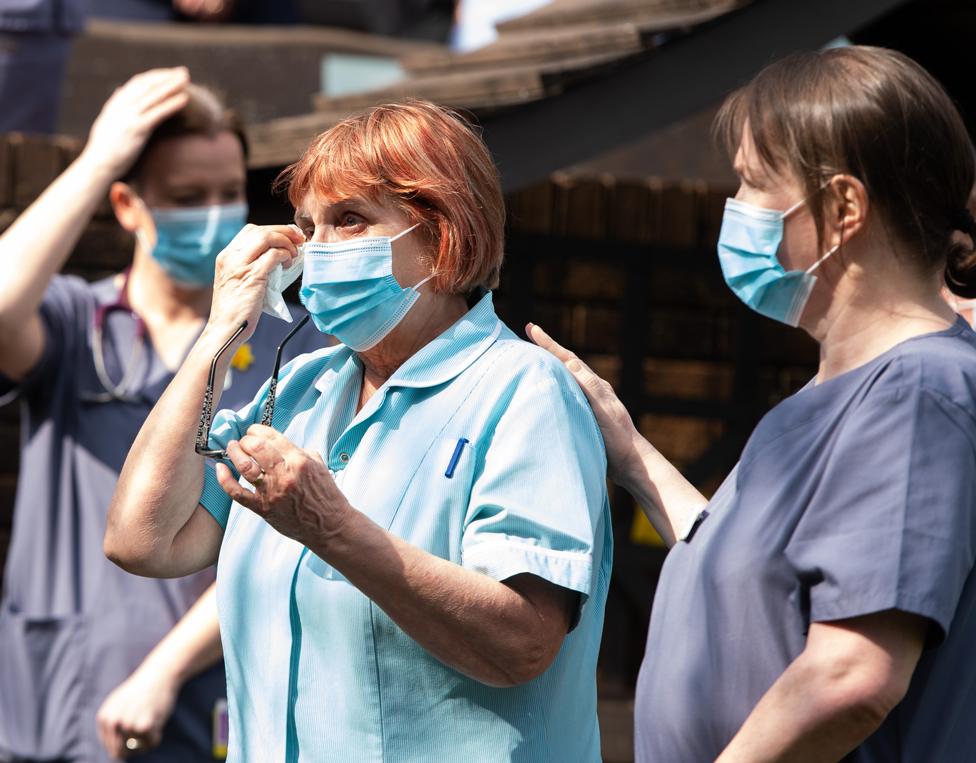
pixel 279 280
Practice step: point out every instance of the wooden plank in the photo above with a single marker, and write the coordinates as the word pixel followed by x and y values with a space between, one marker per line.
pixel 484 88
pixel 630 212
pixel 281 141
pixel 679 213
pixel 530 209
pixel 470 89
pixel 584 202
pixel 711 203
pixel 533 47
pixel 682 79
pixel 208 36
pixel 567 12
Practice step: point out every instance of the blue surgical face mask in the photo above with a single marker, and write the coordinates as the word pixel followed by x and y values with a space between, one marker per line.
pixel 349 289
pixel 747 246
pixel 189 240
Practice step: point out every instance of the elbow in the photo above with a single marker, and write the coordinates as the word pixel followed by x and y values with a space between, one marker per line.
pixel 120 553
pixel 861 696
pixel 522 662
pixel 121 547
pixel 874 697
pixel 132 560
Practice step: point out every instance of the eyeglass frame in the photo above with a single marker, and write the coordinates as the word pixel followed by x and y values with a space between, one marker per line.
pixel 201 447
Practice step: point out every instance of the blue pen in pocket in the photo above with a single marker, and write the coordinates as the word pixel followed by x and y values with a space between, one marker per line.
pixel 455 457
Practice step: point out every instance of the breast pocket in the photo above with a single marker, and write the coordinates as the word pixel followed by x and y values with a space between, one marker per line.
pixel 434 509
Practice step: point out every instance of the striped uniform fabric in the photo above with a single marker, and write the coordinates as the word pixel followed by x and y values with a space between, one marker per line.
pixel 480 449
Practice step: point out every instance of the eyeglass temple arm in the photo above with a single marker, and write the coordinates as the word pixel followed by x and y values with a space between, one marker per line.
pixel 269 403
pixel 206 416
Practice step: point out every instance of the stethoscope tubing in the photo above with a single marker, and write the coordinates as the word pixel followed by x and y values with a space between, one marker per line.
pixel 123 391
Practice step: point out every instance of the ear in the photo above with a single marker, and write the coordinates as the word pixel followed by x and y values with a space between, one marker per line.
pixel 129 210
pixel 845 209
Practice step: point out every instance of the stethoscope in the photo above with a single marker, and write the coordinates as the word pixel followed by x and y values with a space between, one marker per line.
pixel 123 391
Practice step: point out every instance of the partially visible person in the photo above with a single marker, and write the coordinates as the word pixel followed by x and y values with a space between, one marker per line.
pixel 420 570
pixel 204 11
pixel 822 605
pixel 95 662
pixel 35 41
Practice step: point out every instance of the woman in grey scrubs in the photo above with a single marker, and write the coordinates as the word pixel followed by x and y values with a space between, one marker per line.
pixel 821 605
pixel 94 662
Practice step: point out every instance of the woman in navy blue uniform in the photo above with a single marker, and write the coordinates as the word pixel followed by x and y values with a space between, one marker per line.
pixel 820 606
pixel 96 663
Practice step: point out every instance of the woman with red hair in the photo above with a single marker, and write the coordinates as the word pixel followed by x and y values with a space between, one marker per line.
pixel 414 542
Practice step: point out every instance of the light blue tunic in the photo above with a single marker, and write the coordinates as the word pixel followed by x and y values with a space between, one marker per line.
pixel 316 671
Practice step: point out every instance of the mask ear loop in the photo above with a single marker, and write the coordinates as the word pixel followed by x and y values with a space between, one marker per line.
pixel 831 253
pixel 403 233
pixel 793 209
pixel 803 201
pixel 417 286
pixel 140 234
pixel 817 264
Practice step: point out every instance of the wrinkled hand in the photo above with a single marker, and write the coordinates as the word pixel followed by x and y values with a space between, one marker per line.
pixel 138 708
pixel 129 116
pixel 619 432
pixel 242 271
pixel 293 488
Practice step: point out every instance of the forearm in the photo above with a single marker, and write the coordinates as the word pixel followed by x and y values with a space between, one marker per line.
pixel 38 243
pixel 468 621
pixel 836 693
pixel 192 646
pixel 807 716
pixel 670 502
pixel 161 481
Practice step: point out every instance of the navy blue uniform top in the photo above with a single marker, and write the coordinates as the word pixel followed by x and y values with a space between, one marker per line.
pixel 852 497
pixel 72 624
pixel 65 16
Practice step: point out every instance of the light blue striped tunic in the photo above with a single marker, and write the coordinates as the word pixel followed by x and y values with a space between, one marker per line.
pixel 316 671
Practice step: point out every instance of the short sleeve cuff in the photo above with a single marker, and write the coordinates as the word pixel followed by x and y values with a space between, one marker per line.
pixel 867 604
pixel 502 559
pixel 872 571
pixel 213 498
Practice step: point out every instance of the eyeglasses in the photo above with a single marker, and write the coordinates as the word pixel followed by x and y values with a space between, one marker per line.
pixel 206 415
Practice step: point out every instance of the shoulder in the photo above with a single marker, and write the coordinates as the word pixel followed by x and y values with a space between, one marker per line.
pixel 528 379
pixel 69 298
pixel 75 288
pixel 525 363
pixel 940 365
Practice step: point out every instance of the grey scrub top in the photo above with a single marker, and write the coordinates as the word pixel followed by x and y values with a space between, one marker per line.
pixel 73 625
pixel 854 496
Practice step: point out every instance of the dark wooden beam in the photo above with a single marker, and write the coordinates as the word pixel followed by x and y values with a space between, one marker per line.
pixel 686 75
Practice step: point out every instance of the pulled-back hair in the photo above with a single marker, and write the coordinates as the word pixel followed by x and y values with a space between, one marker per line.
pixel 876 115
pixel 203 114
pixel 428 162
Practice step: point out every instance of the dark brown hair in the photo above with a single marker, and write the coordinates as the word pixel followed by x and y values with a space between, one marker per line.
pixel 203 114
pixel 879 116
